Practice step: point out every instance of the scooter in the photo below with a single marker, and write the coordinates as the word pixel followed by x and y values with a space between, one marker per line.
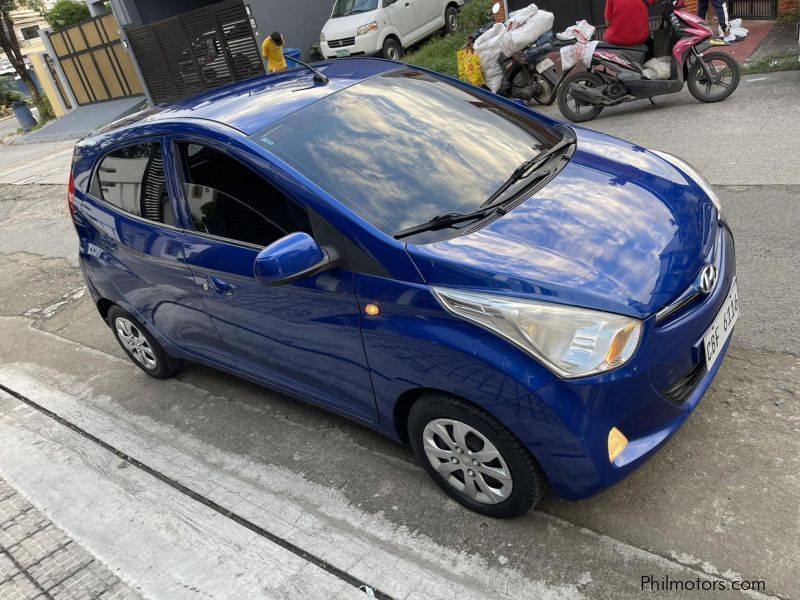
pixel 528 75
pixel 616 72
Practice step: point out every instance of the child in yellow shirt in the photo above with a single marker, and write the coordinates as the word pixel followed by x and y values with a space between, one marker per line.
pixel 272 50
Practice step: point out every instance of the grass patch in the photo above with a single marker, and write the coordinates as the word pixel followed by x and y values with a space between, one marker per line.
pixel 787 61
pixel 439 53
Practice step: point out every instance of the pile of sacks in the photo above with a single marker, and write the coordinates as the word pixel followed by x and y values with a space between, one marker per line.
pixel 522 28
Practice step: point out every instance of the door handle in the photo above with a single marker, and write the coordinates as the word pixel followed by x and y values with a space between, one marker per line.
pixel 219 287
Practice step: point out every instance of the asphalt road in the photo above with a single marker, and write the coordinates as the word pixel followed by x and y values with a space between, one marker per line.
pixel 720 503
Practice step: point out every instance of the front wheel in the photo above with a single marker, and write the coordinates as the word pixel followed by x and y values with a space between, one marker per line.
pixel 473 457
pixel 573 109
pixel 391 49
pixel 725 76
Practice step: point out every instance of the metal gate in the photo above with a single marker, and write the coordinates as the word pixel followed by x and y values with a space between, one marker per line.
pixel 96 65
pixel 196 51
pixel 754 9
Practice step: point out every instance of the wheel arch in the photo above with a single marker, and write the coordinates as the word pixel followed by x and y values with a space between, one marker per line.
pixel 103 306
pixel 406 400
pixel 391 33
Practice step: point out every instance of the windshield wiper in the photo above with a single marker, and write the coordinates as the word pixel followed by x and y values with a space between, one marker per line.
pixel 453 218
pixel 529 169
pixel 526 168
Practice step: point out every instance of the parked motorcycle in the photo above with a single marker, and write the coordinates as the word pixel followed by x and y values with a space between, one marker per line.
pixel 616 72
pixel 528 75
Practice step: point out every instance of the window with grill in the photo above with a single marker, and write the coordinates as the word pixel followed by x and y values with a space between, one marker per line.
pixel 227 199
pixel 133 180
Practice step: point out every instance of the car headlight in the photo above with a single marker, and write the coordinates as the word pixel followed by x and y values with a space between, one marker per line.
pixel 693 173
pixel 365 29
pixel 570 341
pixel 322 36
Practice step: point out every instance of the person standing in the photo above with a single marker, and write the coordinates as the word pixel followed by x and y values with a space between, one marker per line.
pixel 628 22
pixel 721 8
pixel 272 50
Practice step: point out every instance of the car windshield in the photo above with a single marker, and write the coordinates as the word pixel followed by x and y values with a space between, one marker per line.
pixel 403 147
pixel 342 8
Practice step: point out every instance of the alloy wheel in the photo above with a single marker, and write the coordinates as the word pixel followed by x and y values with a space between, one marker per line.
pixel 467 460
pixel 136 343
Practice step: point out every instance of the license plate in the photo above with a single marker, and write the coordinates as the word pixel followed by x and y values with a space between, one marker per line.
pixel 342 53
pixel 720 330
pixel 544 65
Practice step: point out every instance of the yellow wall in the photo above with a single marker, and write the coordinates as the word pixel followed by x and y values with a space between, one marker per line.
pixel 50 90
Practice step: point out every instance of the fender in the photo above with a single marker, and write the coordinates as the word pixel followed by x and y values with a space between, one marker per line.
pixel 390 30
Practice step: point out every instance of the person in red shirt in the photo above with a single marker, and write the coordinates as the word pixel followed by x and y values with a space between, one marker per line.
pixel 627 22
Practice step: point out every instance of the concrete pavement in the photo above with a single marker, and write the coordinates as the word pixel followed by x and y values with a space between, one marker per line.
pixel 720 503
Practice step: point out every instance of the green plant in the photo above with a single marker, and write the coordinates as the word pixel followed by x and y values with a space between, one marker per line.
pixel 45 110
pixel 439 53
pixel 65 13
pixel 9 94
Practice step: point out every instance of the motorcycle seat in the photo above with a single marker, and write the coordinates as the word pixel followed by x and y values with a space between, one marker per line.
pixel 636 53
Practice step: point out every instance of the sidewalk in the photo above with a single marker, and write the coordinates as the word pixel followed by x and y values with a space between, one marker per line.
pixel 38 561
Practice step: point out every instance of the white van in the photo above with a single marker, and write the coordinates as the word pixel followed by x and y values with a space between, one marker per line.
pixel 384 27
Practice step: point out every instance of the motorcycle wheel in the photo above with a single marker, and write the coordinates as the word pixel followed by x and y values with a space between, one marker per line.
pixel 544 97
pixel 568 105
pixel 724 67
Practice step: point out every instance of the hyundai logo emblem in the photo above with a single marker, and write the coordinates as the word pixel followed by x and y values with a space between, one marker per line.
pixel 708 279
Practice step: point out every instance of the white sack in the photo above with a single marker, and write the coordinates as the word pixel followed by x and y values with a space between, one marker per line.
pixel 579 52
pixel 530 31
pixel 657 68
pixel 487 47
pixel 518 17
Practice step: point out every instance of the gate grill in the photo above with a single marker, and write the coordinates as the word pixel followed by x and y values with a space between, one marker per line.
pixel 196 51
pixel 754 9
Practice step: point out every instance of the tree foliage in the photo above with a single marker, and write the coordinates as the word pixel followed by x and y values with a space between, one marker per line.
pixel 65 13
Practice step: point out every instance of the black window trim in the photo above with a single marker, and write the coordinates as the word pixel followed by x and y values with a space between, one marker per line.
pixel 179 169
pixel 124 144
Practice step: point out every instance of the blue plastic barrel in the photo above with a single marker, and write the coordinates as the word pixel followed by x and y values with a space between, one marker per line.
pixel 24 116
pixel 291 53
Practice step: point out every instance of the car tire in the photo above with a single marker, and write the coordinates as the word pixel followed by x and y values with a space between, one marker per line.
pixel 494 474
pixel 391 49
pixel 450 19
pixel 141 347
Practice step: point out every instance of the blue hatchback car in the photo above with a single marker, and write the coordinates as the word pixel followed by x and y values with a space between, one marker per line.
pixel 526 304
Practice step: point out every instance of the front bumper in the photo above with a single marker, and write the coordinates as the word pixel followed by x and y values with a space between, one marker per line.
pixel 360 45
pixel 573 447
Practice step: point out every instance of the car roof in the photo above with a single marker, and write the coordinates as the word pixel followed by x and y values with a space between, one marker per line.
pixel 254 104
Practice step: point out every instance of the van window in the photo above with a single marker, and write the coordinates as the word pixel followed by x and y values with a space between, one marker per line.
pixel 133 180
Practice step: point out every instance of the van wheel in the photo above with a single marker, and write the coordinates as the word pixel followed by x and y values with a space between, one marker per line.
pixel 450 19
pixel 140 346
pixel 473 457
pixel 391 49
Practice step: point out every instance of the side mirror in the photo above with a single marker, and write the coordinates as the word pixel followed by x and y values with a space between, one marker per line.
pixel 495 8
pixel 388 3
pixel 295 256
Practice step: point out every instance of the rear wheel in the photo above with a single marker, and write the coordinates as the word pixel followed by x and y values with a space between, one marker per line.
pixel 725 76
pixel 141 347
pixel 473 457
pixel 572 108
pixel 391 49
pixel 450 19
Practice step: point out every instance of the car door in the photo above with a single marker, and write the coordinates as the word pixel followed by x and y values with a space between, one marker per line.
pixel 130 219
pixel 402 15
pixel 304 337
pixel 429 14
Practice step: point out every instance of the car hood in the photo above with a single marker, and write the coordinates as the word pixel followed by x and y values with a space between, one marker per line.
pixel 344 27
pixel 618 229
